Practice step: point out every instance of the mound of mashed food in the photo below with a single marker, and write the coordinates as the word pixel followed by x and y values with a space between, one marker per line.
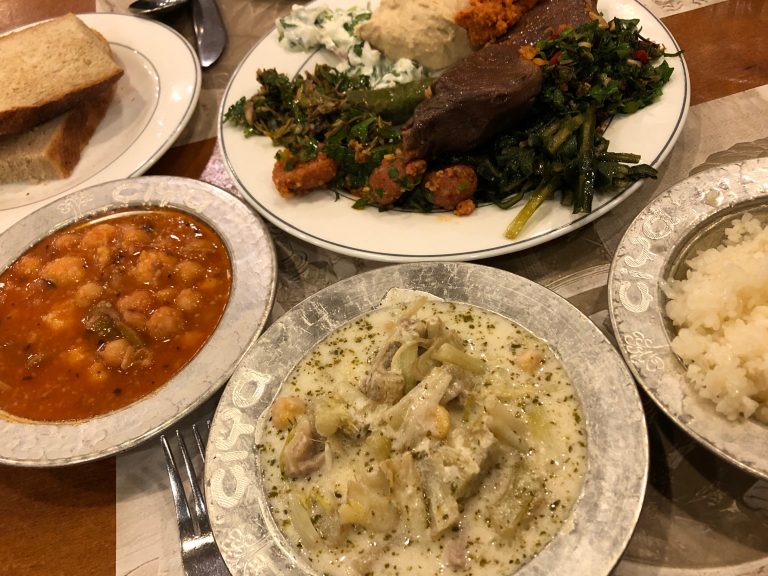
pixel 438 33
pixel 424 438
pixel 423 30
pixel 721 312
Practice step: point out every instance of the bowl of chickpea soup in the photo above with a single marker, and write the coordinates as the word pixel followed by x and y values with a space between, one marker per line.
pixel 122 308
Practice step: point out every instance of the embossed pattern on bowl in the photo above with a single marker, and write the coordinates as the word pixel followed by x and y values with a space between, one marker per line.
pixel 603 518
pixel 689 217
pixel 254 275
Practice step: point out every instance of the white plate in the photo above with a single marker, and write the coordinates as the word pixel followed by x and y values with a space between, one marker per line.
pixel 398 236
pixel 254 279
pixel 603 517
pixel 687 218
pixel 154 101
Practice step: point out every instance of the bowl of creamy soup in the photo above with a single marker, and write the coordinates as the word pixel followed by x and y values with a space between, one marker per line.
pixel 428 418
pixel 120 311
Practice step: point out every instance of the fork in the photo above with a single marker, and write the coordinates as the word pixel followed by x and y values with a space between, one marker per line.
pixel 199 554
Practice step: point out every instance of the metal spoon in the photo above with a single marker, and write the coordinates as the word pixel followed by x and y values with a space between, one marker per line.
pixel 155 7
pixel 210 34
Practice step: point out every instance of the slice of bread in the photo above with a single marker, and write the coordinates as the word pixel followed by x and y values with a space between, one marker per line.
pixel 50 67
pixel 51 150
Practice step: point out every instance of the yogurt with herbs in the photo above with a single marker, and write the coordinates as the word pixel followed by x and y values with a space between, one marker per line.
pixel 424 438
pixel 320 27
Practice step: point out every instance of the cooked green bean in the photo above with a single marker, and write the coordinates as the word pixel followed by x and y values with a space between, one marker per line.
pixel 585 190
pixel 394 104
pixel 564 132
pixel 541 194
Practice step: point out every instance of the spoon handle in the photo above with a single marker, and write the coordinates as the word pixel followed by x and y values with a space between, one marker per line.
pixel 210 34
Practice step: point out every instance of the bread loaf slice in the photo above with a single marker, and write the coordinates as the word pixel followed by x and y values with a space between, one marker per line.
pixel 50 67
pixel 52 150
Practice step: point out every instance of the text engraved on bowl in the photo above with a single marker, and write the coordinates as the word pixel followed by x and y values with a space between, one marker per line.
pixel 689 217
pixel 640 349
pixel 77 204
pixel 54 444
pixel 250 543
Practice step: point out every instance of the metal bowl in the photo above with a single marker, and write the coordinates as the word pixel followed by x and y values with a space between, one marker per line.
pixel 686 219
pixel 254 274
pixel 602 519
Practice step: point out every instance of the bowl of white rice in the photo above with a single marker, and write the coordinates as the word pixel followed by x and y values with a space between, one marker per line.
pixel 688 298
pixel 717 301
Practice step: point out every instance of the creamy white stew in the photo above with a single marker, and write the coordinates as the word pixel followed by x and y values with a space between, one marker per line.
pixel 429 438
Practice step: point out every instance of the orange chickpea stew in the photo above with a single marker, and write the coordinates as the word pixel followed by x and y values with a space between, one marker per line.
pixel 104 312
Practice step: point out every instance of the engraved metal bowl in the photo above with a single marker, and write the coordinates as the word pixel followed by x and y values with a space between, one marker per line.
pixel 689 217
pixel 254 276
pixel 602 520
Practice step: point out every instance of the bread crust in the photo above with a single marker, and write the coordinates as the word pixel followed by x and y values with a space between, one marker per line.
pixel 56 157
pixel 20 118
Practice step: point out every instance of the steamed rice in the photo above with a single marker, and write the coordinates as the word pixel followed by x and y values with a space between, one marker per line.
pixel 721 312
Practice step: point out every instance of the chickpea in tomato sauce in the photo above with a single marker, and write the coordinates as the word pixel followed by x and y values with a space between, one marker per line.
pixel 104 312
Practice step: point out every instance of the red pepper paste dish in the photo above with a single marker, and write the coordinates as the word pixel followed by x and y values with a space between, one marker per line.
pixel 104 312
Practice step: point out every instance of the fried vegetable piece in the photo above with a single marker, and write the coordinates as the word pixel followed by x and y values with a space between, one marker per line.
pixel 451 185
pixel 299 179
pixel 392 178
pixel 465 207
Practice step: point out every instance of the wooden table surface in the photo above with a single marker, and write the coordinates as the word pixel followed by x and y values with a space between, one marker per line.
pixel 62 521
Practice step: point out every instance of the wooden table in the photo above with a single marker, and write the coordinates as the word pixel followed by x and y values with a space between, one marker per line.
pixel 63 521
